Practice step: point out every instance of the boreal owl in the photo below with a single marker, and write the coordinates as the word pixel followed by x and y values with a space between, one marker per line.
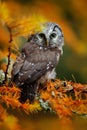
pixel 37 60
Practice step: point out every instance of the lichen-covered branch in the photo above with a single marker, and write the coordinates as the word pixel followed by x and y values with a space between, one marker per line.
pixel 62 97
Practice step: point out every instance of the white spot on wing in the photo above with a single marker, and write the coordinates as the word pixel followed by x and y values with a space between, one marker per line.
pixel 29 76
pixel 52 65
pixel 41 48
pixel 49 62
pixel 32 63
pixel 22 83
pixel 47 67
pixel 45 48
pixel 20 74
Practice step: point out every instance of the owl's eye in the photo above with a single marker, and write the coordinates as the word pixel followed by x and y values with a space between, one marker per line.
pixel 41 35
pixel 53 35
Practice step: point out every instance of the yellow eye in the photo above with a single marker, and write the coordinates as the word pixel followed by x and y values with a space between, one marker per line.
pixel 41 35
pixel 53 35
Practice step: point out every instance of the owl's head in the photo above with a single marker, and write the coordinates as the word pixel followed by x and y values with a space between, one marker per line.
pixel 51 36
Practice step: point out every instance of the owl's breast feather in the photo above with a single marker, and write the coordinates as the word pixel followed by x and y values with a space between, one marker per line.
pixel 48 76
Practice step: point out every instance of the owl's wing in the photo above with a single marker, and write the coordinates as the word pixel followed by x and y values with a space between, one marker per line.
pixel 19 62
pixel 17 65
pixel 33 66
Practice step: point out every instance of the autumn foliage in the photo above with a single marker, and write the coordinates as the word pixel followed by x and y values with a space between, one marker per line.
pixel 61 97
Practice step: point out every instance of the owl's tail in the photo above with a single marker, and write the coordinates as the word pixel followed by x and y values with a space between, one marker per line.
pixel 28 91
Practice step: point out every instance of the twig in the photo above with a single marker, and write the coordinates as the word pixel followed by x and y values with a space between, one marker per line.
pixel 9 55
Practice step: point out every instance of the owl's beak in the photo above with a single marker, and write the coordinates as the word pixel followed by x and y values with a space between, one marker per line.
pixel 47 42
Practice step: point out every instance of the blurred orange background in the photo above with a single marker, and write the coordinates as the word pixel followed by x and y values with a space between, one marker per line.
pixel 71 15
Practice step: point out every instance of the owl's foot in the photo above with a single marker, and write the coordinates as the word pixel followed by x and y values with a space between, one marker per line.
pixel 28 92
pixel 31 97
